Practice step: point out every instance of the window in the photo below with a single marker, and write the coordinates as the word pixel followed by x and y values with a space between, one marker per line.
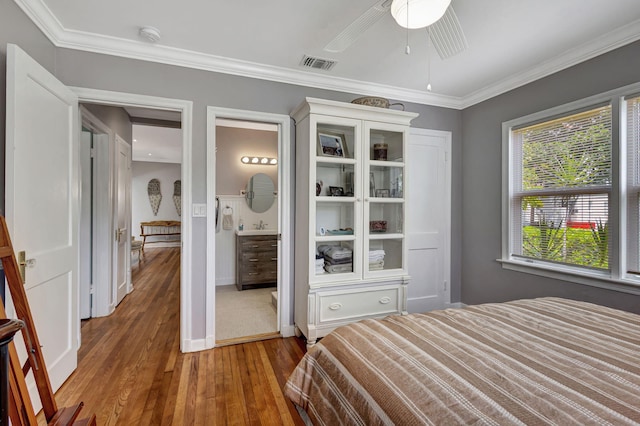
pixel 571 186
pixel 633 184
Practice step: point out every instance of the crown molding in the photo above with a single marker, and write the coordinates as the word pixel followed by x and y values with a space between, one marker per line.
pixel 42 16
pixel 606 43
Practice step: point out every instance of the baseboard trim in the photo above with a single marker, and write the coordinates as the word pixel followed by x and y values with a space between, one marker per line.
pixel 288 330
pixel 456 305
pixel 194 345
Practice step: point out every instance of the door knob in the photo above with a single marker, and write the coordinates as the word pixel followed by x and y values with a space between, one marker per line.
pixel 24 263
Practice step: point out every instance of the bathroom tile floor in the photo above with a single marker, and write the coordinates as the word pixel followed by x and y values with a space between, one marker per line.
pixel 244 313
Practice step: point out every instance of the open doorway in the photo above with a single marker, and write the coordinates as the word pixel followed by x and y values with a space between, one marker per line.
pixel 248 153
pixel 117 155
pixel 246 230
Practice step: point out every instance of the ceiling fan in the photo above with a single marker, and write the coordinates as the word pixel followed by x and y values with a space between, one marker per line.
pixel 438 15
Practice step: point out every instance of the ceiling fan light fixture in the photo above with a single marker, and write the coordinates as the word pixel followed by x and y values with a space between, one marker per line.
pixel 418 13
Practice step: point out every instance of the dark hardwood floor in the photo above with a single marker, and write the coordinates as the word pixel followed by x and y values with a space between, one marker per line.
pixel 131 372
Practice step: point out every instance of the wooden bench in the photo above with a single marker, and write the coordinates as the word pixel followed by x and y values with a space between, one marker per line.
pixel 159 228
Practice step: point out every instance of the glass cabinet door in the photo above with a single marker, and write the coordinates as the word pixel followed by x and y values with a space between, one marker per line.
pixel 336 205
pixel 384 207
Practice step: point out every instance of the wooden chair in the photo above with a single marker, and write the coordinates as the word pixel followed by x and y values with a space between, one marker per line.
pixel 20 408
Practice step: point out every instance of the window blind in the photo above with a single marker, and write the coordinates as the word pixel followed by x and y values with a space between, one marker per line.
pixel 561 184
pixel 633 184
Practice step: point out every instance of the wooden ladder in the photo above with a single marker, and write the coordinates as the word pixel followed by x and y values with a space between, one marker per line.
pixel 20 408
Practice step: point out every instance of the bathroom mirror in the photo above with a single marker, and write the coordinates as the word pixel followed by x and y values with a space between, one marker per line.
pixel 259 193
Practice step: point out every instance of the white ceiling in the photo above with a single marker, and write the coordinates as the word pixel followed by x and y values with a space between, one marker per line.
pixel 156 144
pixel 511 42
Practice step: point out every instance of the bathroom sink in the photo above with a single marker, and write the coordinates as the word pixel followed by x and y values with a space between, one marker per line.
pixel 257 232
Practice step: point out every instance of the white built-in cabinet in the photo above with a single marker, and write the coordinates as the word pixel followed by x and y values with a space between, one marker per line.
pixel 351 207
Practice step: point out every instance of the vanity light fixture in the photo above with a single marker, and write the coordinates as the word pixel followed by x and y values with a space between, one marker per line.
pixel 265 161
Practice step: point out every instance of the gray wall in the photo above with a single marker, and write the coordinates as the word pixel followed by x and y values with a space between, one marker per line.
pixel 82 69
pixel 483 278
pixel 115 118
pixel 232 143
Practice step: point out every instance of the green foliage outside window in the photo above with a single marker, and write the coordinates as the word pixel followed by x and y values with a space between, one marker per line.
pixel 567 154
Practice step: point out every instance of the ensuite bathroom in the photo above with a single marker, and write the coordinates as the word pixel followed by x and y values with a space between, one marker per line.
pixel 246 248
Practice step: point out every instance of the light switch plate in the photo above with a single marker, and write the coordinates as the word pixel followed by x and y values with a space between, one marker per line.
pixel 199 210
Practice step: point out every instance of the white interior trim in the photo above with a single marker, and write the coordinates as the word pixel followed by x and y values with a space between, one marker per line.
pixel 42 16
pixel 186 109
pixel 284 214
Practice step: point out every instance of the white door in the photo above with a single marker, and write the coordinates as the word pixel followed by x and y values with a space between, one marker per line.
pixel 428 219
pixel 42 203
pixel 85 224
pixel 122 215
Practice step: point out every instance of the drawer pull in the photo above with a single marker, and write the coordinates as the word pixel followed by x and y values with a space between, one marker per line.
pixel 255 246
pixel 253 259
pixel 274 258
pixel 384 300
pixel 335 306
pixel 253 273
pixel 274 245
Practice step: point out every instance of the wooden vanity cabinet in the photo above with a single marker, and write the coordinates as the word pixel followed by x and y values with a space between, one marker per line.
pixel 256 261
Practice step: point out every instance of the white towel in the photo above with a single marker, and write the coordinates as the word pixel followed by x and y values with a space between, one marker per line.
pixel 227 218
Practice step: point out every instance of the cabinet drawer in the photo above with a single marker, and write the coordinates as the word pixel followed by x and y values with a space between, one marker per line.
pixel 259 276
pixel 258 257
pixel 359 303
pixel 260 266
pixel 252 245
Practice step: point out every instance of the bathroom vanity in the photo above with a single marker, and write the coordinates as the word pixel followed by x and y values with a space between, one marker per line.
pixel 256 258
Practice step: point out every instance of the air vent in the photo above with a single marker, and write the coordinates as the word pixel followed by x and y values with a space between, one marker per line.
pixel 317 63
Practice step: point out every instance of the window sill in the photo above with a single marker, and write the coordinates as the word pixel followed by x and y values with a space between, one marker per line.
pixel 593 279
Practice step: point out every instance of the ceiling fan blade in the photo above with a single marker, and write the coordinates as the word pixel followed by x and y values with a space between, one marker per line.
pixel 359 26
pixel 447 35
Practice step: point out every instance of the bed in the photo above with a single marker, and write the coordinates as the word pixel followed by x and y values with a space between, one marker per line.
pixel 536 361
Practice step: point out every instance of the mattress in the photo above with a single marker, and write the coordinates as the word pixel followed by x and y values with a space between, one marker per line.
pixel 528 362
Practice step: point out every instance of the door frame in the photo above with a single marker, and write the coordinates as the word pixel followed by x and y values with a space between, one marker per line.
pixel 187 341
pixel 285 228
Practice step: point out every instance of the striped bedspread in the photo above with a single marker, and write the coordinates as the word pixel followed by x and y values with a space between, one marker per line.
pixel 527 362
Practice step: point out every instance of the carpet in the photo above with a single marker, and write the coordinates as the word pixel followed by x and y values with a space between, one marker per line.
pixel 244 313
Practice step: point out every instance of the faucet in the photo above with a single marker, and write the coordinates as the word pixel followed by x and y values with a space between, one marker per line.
pixel 260 225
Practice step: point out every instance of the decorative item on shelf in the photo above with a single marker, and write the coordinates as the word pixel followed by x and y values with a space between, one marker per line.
pixel 319 187
pixel 380 151
pixel 348 190
pixel 341 231
pixel 336 191
pixel 155 196
pixel 378 226
pixel 375 101
pixel 372 185
pixel 332 144
pixel 382 193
